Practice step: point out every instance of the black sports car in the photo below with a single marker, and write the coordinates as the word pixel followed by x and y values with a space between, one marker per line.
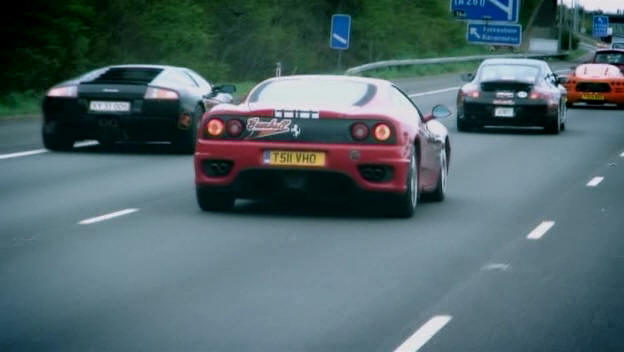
pixel 512 92
pixel 129 103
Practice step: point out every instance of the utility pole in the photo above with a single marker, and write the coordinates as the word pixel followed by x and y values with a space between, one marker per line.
pixel 570 29
pixel 560 7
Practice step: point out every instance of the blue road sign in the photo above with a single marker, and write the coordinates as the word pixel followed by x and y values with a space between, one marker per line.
pixel 494 34
pixel 491 10
pixel 340 32
pixel 600 26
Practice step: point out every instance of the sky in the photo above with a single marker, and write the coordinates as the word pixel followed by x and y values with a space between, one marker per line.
pixel 604 5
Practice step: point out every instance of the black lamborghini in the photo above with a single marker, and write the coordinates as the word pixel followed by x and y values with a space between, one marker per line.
pixel 129 103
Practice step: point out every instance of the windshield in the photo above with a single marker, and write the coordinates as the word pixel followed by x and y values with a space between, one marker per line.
pixel 314 92
pixel 612 57
pixel 509 72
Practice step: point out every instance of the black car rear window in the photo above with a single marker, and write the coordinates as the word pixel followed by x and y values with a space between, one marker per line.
pixel 610 57
pixel 128 75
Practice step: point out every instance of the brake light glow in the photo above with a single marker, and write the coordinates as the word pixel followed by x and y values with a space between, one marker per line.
pixel 160 93
pixel 66 92
pixel 382 132
pixel 215 127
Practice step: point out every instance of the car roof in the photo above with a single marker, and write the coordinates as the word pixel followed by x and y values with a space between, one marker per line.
pixel 514 61
pixel 373 81
pixel 610 50
pixel 163 67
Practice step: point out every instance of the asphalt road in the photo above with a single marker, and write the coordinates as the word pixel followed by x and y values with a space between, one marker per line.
pixel 460 275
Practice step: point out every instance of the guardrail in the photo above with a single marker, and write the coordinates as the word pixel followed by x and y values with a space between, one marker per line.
pixel 443 60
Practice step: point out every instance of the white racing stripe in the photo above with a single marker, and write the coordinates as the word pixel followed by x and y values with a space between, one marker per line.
pixel 424 334
pixel 433 92
pixel 108 216
pixel 41 151
pixel 595 181
pixel 540 230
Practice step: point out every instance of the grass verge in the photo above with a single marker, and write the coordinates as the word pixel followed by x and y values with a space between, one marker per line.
pixel 15 104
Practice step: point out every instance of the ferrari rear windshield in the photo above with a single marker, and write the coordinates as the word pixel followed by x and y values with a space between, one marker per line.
pixel 509 72
pixel 610 57
pixel 314 92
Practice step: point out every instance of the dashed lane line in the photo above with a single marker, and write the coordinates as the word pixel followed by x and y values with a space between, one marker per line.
pixel 107 216
pixel 540 230
pixel 595 181
pixel 41 151
pixel 424 334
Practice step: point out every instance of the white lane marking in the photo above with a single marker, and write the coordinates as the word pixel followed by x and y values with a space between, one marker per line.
pixel 540 230
pixel 20 154
pixel 622 155
pixel 108 216
pixel 433 92
pixel 595 181
pixel 85 144
pixel 424 334
pixel 41 151
pixel 495 267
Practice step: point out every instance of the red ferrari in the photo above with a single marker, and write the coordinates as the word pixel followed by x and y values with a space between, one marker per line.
pixel 322 136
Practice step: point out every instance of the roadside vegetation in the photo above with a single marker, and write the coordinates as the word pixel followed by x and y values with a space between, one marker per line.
pixel 227 41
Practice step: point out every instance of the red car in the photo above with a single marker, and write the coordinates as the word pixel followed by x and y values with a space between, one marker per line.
pixel 600 81
pixel 322 136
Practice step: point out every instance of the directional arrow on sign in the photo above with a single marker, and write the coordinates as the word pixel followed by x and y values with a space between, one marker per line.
pixel 339 38
pixel 474 32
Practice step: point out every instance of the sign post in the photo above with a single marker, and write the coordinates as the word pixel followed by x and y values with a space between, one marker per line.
pixel 340 34
pixel 494 34
pixel 600 26
pixel 486 10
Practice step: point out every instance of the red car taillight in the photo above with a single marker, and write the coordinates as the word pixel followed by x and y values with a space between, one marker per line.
pixel 382 132
pixel 234 128
pixel 214 127
pixel 359 131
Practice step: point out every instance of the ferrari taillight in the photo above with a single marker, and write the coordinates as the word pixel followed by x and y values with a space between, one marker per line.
pixel 234 127
pixel 214 127
pixel 359 131
pixel 382 132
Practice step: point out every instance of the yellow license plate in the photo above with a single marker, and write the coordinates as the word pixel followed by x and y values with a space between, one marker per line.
pixel 592 96
pixel 294 158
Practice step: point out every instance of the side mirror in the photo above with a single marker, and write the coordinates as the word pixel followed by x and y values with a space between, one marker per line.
pixel 562 79
pixel 467 77
pixel 438 112
pixel 224 88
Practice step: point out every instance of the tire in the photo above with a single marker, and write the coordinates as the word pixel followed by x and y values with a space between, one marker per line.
pixel 462 126
pixel 214 200
pixel 405 205
pixel 553 127
pixel 186 142
pixel 564 119
pixel 55 138
pixel 439 193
